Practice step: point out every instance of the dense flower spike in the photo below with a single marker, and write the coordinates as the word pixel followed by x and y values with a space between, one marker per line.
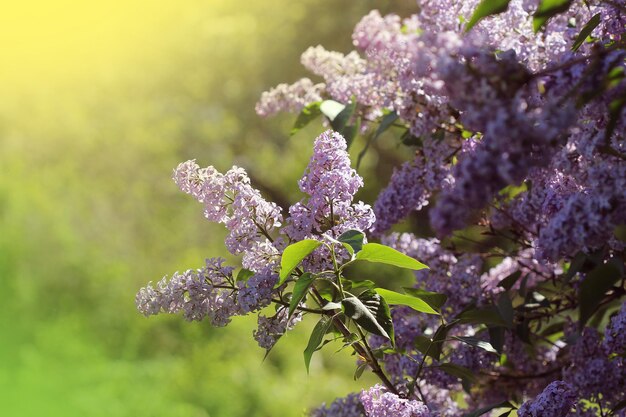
pixel 555 401
pixel 378 403
pixel 330 184
pixel 518 163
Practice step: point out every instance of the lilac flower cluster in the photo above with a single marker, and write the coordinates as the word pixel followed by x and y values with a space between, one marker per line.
pixel 256 233
pixel 380 403
pixel 205 293
pixel 556 400
pixel 349 406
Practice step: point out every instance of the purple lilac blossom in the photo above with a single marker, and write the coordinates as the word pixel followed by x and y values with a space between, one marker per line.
pixel 380 403
pixel 615 333
pixel 289 98
pixel 349 406
pixel 556 400
pixel 270 329
pixel 330 183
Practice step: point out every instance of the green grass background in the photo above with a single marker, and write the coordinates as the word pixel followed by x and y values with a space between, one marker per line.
pixel 88 214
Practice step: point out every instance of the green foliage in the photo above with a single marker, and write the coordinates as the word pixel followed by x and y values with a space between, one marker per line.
pixel 585 32
pixel 317 335
pixel 487 8
pixel 293 255
pixel 300 290
pixel 352 240
pixel 433 299
pixel 306 116
pixel 548 9
pixel 371 312
pixel 375 252
pixel 416 303
pixel 595 285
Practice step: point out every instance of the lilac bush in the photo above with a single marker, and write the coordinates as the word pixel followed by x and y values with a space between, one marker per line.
pixel 514 115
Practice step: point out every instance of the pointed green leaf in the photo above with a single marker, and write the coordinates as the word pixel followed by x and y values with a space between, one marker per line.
pixel 306 116
pixel 505 308
pixel 331 108
pixel 548 9
pixel 458 371
pixel 316 338
pixel 352 240
pixel 586 31
pixel 483 410
pixel 395 298
pixel 244 274
pixel 371 312
pixel 473 341
pixel 510 280
pixel 293 255
pixel 300 290
pixel 387 120
pixel 434 299
pixel 375 252
pixel 438 339
pixel 487 8
pixel 594 287
pixel 422 343
pixel 340 122
pixel 488 316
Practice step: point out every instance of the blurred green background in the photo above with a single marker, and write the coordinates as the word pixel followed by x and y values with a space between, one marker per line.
pixel 99 101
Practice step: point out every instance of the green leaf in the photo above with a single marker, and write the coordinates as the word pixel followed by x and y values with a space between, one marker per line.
pixel 473 341
pixel 439 338
pixel 615 110
pixel 355 285
pixel 331 108
pixel 505 308
pixel 488 316
pixel 244 275
pixel 387 120
pixel 586 31
pixel 359 370
pixel 422 343
pixel 300 290
pixel 340 121
pixel 293 255
pixel 483 410
pixel 306 116
pixel 548 9
pixel 496 337
pixel 434 299
pixel 508 282
pixel 375 252
pixel 408 139
pixel 620 232
pixel 487 8
pixel 594 287
pixel 352 240
pixel 395 298
pixel 317 335
pixel 458 371
pixel 371 312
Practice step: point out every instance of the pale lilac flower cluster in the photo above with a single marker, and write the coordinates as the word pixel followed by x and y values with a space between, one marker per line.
pixel 556 400
pixel 270 329
pixel 615 333
pixel 205 293
pixel 380 403
pixel 593 373
pixel 230 199
pixel 330 184
pixel 289 97
pixel 349 406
